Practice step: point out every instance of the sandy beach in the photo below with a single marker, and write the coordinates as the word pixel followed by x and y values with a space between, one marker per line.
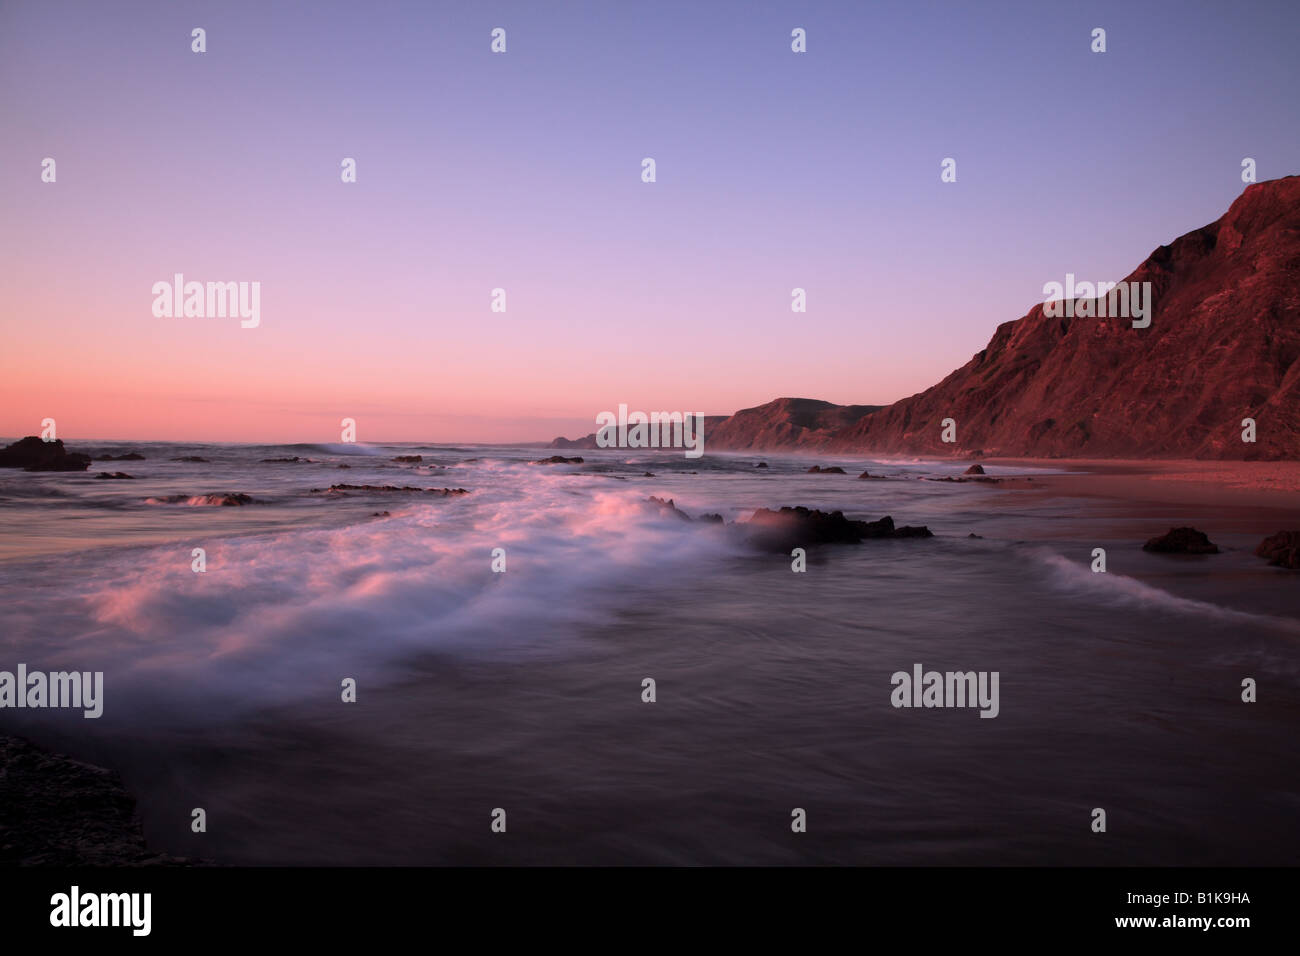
pixel 1256 484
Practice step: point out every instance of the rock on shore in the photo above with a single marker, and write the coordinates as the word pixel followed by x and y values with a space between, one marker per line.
pixel 1181 541
pixel 56 811
pixel 1281 549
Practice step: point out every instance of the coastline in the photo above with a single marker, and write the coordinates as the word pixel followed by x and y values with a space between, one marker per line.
pixel 1255 484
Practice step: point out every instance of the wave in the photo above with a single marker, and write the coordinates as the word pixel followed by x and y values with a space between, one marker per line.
pixel 279 617
pixel 1081 579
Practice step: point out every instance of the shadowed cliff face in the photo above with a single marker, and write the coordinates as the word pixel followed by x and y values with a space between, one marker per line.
pixel 784 423
pixel 1221 347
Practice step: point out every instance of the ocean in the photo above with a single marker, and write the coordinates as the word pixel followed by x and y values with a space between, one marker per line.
pixel 522 690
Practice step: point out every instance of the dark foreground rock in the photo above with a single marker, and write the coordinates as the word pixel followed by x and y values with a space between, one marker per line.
pixel 411 459
pixel 819 470
pixel 114 476
pixel 1281 549
pixel 56 811
pixel 974 470
pixel 1181 541
pixel 33 454
pixel 801 527
pixel 558 460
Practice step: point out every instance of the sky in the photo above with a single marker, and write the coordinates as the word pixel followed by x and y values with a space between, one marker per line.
pixel 522 170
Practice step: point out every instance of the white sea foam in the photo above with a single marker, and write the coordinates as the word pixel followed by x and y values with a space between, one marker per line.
pixel 1078 578
pixel 279 617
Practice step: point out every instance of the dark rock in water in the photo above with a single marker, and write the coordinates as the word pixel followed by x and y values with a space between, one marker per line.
pixel 1181 541
pixel 131 456
pixel 344 489
pixel 667 507
pixel 710 519
pixel 409 458
pixel 974 535
pixel 191 458
pixel 800 527
pixel 286 461
pixel 34 454
pixel 114 476
pixel 974 470
pixel 1281 549
pixel 345 466
pixel 819 470
pixel 381 514
pixel 761 464
pixel 558 460
pixel 648 474
pixel 56 811
pixel 961 481
pixel 229 499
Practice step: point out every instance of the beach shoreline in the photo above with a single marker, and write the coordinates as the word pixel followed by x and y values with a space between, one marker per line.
pixel 1259 484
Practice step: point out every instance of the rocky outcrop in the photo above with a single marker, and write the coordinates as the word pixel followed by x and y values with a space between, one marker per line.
pixel 1281 549
pixel 1222 346
pixel 819 470
pixel 35 454
pixel 801 527
pixel 114 476
pixel 56 811
pixel 227 499
pixel 974 470
pixel 786 423
pixel 1181 541
pixel 388 489
pixel 798 527
pixel 412 459
pixel 667 507
pixel 558 460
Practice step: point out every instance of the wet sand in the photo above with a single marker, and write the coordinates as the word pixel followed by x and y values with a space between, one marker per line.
pixel 1268 485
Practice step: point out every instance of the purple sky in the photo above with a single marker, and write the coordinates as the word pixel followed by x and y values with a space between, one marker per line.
pixel 479 170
